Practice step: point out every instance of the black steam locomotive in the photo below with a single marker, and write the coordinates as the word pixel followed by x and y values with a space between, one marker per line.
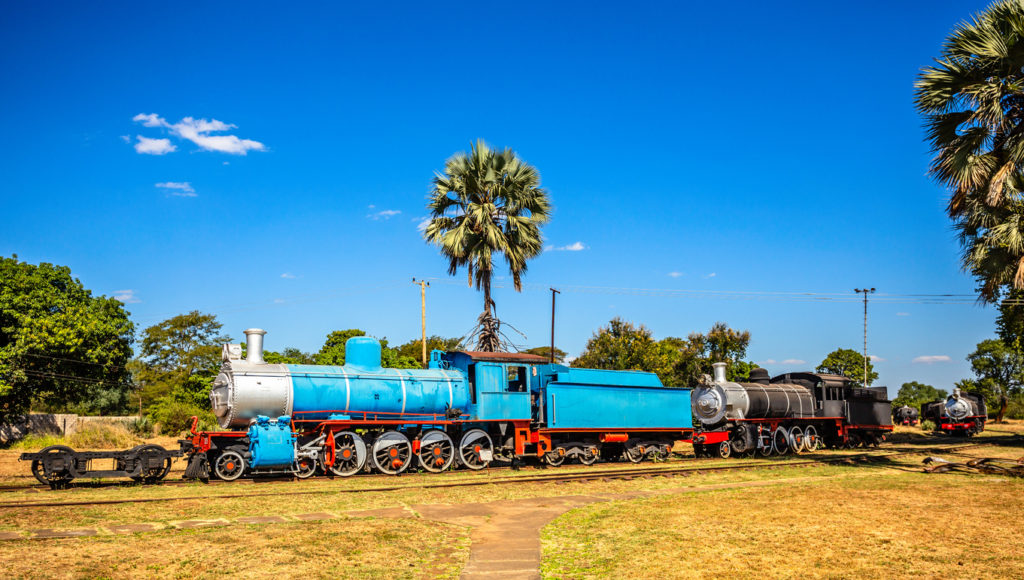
pixel 961 414
pixel 905 415
pixel 793 412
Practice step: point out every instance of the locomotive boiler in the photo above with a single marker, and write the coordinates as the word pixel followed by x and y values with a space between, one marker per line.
pixel 789 413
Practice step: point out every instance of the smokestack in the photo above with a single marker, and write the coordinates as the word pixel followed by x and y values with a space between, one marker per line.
pixel 254 345
pixel 719 370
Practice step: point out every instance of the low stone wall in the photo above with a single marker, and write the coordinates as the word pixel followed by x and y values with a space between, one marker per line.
pixel 54 424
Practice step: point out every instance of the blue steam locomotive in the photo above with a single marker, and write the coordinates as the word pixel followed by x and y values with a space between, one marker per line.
pixel 466 409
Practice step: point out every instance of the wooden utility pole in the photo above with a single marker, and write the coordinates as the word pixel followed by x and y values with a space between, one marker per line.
pixel 553 292
pixel 423 315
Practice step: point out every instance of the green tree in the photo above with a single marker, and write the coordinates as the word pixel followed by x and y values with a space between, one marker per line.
pixel 288 356
pixel 848 363
pixel 60 347
pixel 545 351
pixel 685 362
pixel 620 346
pixel 183 352
pixel 414 348
pixel 915 394
pixel 486 203
pixel 972 101
pixel 999 372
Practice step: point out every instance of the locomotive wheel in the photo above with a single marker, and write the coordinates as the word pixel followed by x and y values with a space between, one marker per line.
pixel 553 458
pixel 797 440
pixel 724 449
pixel 589 456
pixel 349 454
pixel 437 451
pixel 811 439
pixel 637 453
pixel 152 474
pixel 476 449
pixel 230 465
pixel 391 453
pixel 58 478
pixel 780 441
pixel 304 467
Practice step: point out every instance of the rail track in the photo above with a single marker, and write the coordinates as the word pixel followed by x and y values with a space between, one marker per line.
pixel 589 475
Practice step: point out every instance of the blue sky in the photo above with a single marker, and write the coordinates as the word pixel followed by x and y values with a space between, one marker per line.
pixel 270 165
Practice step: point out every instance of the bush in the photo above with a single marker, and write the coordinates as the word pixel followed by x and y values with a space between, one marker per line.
pixel 174 417
pixel 103 436
pixel 142 427
pixel 927 426
pixel 33 442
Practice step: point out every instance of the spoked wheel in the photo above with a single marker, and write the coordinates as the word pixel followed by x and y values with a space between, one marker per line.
pixel 475 449
pixel 349 454
pixel 553 458
pixel 588 456
pixel 58 477
pixel 304 467
pixel 637 453
pixel 811 440
pixel 437 451
pixel 780 441
pixel 391 453
pixel 152 473
pixel 724 449
pixel 797 440
pixel 230 465
pixel 764 442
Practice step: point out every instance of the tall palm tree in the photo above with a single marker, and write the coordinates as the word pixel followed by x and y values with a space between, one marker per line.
pixel 485 203
pixel 972 101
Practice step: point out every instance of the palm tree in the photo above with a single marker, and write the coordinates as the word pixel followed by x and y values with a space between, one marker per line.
pixel 485 203
pixel 972 101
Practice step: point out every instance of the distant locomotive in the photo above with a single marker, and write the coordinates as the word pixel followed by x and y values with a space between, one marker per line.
pixel 466 408
pixel 961 414
pixel 789 413
pixel 905 415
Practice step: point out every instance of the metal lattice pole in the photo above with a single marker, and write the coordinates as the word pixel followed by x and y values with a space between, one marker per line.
pixel 865 291
pixel 552 353
pixel 423 315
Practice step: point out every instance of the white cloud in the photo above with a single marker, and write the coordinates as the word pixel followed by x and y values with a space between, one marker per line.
pixel 288 275
pixel 902 314
pixel 126 296
pixel 932 358
pixel 788 361
pixel 279 300
pixel 179 189
pixel 423 223
pixel 574 247
pixel 199 132
pixel 126 138
pixel 874 358
pixel 148 146
pixel 675 274
pixel 711 275
pixel 384 214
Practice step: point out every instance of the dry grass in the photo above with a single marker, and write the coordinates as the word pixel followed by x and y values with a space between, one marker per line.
pixel 343 549
pixel 906 525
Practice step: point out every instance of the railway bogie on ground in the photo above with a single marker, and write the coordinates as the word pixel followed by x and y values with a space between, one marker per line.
pixel 794 412
pixel 960 414
pixel 467 409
